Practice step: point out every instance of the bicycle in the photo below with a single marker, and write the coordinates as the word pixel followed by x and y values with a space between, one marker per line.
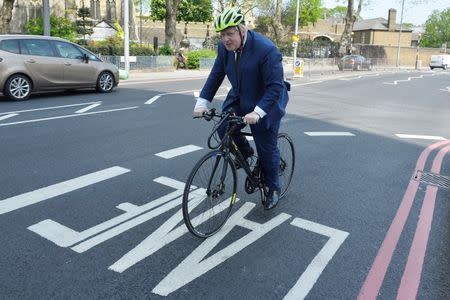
pixel 210 190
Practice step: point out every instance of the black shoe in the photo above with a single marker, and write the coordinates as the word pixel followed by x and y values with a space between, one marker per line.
pixel 272 199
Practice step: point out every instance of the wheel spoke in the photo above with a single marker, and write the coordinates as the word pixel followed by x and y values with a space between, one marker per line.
pixel 206 215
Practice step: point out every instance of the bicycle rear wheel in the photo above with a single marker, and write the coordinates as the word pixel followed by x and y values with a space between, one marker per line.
pixel 209 194
pixel 287 162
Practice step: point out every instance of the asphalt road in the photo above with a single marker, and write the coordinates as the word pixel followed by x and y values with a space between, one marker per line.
pixel 90 197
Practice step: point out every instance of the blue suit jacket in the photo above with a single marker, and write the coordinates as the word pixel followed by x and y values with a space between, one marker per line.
pixel 257 80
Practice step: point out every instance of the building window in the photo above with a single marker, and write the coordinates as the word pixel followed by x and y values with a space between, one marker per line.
pixel 111 10
pixel 95 9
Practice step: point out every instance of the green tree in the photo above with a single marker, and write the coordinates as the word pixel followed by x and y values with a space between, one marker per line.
pixel 310 12
pixel 84 25
pixel 59 26
pixel 437 29
pixel 337 12
pixel 188 10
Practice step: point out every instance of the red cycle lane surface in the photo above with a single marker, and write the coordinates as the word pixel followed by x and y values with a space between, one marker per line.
pixel 411 276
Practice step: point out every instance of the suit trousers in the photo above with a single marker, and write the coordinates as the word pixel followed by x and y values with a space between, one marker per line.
pixel 266 141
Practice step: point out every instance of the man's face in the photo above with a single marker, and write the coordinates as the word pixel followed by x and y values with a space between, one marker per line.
pixel 230 38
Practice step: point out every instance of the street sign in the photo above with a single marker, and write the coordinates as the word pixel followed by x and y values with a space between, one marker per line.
pixel 298 67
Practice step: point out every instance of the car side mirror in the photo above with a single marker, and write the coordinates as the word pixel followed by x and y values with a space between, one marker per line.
pixel 85 58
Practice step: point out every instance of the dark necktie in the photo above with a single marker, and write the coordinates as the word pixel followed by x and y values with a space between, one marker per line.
pixel 238 56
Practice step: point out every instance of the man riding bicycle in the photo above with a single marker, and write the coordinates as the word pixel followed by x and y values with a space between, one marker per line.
pixel 253 66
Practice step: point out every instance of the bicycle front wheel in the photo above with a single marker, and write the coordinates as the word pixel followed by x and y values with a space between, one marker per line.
pixel 287 162
pixel 209 194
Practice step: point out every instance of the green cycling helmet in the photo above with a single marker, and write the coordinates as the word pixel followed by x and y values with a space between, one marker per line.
pixel 228 18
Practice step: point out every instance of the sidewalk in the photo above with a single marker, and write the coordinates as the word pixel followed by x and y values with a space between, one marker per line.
pixel 315 74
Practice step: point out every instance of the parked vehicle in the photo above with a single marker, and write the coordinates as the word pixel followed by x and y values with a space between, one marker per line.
pixel 30 63
pixel 439 61
pixel 355 63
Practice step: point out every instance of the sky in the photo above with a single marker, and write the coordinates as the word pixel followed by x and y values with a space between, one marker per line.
pixel 412 13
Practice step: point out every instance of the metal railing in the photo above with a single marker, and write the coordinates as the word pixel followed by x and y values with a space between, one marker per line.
pixel 168 63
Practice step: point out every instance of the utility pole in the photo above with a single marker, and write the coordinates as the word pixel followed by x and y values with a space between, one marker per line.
pixel 296 34
pixel 140 26
pixel 126 31
pixel 399 35
pixel 46 16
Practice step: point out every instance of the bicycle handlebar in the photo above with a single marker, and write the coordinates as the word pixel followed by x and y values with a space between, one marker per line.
pixel 222 117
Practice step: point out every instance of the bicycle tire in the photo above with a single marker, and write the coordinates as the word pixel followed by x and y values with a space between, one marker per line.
pixel 209 194
pixel 287 162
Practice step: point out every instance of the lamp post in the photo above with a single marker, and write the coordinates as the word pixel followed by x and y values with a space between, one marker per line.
pixel 295 43
pixel 417 52
pixel 399 35
pixel 46 16
pixel 140 25
pixel 126 31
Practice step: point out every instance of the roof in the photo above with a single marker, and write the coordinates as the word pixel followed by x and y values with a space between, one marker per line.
pixel 105 24
pixel 375 24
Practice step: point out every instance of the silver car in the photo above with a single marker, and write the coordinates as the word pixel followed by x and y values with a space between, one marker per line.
pixel 31 63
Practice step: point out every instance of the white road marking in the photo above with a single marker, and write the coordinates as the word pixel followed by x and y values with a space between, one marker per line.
pixel 58 189
pixel 403 80
pixel 83 110
pixel 150 101
pixel 196 264
pixel 68 116
pixel 178 151
pixel 141 81
pixel 64 236
pixel 167 232
pixel 423 137
pixel 359 77
pixel 51 107
pixel 249 138
pixel 4 117
pixel 328 133
pixel 307 83
pixel 315 268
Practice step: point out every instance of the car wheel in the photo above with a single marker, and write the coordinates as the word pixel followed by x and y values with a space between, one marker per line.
pixel 18 87
pixel 431 68
pixel 105 82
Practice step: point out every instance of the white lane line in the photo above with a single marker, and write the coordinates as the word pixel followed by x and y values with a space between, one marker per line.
pixel 150 101
pixel 83 110
pixel 404 80
pixel 58 189
pixel 307 83
pixel 178 151
pixel 142 81
pixel 51 107
pixel 423 137
pixel 328 133
pixel 4 117
pixel 68 116
pixel 307 280
pixel 359 77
